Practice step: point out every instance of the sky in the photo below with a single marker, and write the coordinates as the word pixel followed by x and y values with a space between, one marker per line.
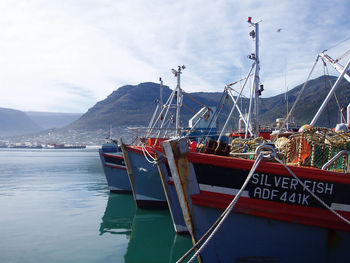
pixel 65 56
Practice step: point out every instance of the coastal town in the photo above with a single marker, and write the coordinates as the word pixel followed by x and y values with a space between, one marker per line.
pixel 62 138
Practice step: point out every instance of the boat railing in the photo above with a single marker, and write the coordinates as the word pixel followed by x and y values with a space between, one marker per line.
pixel 336 157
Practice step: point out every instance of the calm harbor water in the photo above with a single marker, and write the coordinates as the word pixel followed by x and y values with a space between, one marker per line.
pixel 56 207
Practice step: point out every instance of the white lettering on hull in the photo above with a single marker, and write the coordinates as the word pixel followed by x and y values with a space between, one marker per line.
pixel 276 195
pixel 288 183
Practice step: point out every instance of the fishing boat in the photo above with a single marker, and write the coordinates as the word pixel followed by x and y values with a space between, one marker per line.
pixel 144 177
pixel 171 195
pixel 147 166
pixel 140 156
pixel 114 167
pixel 139 159
pixel 282 202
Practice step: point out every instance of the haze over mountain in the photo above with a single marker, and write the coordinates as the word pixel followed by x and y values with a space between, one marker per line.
pixel 15 122
pixel 49 120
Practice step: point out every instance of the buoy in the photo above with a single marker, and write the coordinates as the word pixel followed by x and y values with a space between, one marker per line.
pixel 305 127
pixel 340 127
pixel 193 146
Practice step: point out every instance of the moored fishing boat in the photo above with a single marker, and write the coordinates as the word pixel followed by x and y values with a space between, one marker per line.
pixel 274 213
pixel 141 169
pixel 114 167
pixel 144 177
pixel 289 204
pixel 145 162
pixel 171 195
pixel 140 158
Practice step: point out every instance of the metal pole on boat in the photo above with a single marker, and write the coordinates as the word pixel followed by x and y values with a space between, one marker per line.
pixel 256 80
pixel 158 108
pixel 334 64
pixel 239 111
pixel 178 100
pixel 255 89
pixel 336 84
pixel 161 93
pixel 234 106
pixel 168 104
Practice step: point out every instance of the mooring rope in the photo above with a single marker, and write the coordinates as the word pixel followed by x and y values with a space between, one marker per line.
pixel 217 224
pixel 312 193
pixel 150 158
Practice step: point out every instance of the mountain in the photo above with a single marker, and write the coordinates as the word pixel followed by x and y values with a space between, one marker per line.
pixel 15 122
pixel 134 105
pixel 49 120
pixel 309 103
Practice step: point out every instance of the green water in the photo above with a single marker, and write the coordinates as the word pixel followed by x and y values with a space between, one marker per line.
pixel 56 207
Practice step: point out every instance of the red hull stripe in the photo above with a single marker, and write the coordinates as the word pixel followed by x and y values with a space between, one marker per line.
pixel 111 165
pixel 269 209
pixel 138 149
pixel 171 182
pixel 269 167
pixel 120 157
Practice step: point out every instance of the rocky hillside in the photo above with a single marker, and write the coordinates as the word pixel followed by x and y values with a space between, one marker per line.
pixel 134 105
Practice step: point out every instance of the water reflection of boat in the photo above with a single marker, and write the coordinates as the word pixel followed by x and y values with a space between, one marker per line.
pixel 118 216
pixel 153 238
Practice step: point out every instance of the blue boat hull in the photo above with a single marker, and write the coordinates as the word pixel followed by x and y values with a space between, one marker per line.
pixel 244 238
pixel 171 195
pixel 145 181
pixel 253 230
pixel 116 175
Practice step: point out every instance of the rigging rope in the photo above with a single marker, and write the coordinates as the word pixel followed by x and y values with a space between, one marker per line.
pixel 189 108
pixel 312 193
pixel 242 96
pixel 297 100
pixel 217 224
pixel 342 56
pixel 337 44
pixel 194 99
pixel 335 95
pixel 217 112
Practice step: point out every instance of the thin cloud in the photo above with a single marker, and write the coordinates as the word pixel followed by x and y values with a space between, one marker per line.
pixel 102 45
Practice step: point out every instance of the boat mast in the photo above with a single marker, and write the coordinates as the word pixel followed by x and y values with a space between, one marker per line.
pixel 256 91
pixel 159 109
pixel 161 93
pixel 178 99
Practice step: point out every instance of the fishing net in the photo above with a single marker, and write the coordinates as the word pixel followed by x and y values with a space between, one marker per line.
pixel 240 147
pixel 314 148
